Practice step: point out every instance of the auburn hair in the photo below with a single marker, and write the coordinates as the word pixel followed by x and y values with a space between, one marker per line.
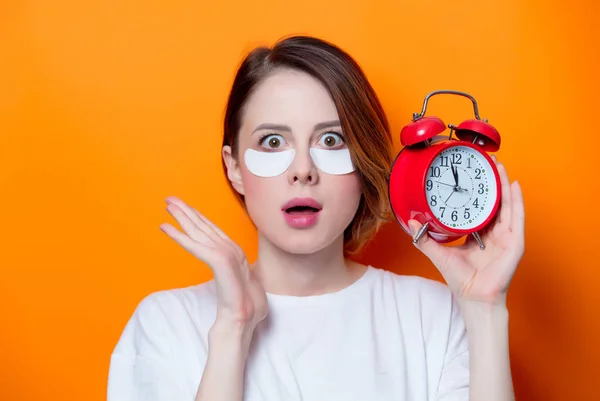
pixel 363 121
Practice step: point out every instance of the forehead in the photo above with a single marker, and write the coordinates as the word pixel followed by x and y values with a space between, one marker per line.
pixel 292 98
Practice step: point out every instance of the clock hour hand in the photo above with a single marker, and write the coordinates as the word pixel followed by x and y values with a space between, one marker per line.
pixel 455 175
pixel 457 187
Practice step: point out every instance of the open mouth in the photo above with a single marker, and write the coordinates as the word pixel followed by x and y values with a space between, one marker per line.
pixel 301 212
pixel 298 210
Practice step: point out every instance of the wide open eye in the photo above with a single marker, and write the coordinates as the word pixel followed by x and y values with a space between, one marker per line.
pixel 271 141
pixel 331 140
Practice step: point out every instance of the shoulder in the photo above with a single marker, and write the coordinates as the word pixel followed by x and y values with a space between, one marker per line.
pixel 194 301
pixel 428 308
pixel 163 320
pixel 165 338
pixel 427 302
pixel 414 288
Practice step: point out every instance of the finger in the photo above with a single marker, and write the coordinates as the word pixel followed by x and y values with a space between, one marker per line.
pixel 193 215
pixel 212 225
pixel 198 218
pixel 203 252
pixel 216 230
pixel 188 226
pixel 434 251
pixel 517 224
pixel 505 200
pixel 194 247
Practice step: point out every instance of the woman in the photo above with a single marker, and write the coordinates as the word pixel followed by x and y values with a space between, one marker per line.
pixel 307 149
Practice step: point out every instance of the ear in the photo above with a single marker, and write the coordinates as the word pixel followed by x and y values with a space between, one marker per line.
pixel 233 170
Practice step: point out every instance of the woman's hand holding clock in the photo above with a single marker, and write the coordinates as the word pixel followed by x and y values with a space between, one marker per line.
pixel 476 275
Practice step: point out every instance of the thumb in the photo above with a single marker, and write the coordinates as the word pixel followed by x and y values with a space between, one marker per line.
pixel 431 249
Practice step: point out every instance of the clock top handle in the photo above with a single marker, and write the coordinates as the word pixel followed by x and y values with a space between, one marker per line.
pixel 417 116
pixel 477 131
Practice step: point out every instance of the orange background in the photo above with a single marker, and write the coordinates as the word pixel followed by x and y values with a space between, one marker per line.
pixel 107 107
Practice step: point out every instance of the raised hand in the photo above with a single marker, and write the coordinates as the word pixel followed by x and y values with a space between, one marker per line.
pixel 483 275
pixel 241 299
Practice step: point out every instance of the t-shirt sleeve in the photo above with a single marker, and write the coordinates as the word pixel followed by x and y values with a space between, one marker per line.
pixel 454 380
pixel 143 364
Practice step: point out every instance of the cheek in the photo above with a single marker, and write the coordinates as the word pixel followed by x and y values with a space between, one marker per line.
pixel 346 192
pixel 258 193
pixel 253 186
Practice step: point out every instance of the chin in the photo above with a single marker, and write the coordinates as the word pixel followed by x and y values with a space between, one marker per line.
pixel 301 244
pixel 303 241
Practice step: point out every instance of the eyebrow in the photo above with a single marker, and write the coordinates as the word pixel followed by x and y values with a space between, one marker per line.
pixel 280 127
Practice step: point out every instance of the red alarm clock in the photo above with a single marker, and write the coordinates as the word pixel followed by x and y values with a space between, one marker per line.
pixel 448 183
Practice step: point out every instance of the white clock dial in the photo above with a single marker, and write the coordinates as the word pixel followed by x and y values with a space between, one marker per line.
pixel 461 187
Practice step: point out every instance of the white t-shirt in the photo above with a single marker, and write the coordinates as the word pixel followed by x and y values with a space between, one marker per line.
pixel 385 337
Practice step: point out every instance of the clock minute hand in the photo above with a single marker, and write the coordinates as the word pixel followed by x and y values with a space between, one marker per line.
pixel 453 186
pixel 443 183
pixel 455 175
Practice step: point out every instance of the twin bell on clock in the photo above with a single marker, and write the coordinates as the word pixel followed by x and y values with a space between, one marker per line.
pixel 447 182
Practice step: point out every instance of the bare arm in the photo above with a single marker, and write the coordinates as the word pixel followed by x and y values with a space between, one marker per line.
pixel 241 301
pixel 480 280
pixel 490 374
pixel 223 378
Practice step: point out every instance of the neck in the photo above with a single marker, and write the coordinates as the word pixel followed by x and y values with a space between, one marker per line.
pixel 320 272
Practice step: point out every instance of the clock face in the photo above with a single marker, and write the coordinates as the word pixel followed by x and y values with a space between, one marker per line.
pixel 461 187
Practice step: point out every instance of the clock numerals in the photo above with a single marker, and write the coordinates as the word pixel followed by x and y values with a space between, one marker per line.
pixel 456 158
pixel 435 171
pixel 463 201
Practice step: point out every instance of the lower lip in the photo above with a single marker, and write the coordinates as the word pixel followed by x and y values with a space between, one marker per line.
pixel 301 220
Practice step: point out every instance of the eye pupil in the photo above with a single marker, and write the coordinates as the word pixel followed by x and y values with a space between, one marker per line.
pixel 329 141
pixel 274 142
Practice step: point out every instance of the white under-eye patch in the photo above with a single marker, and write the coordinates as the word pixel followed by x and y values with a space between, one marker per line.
pixel 271 164
pixel 334 161
pixel 268 164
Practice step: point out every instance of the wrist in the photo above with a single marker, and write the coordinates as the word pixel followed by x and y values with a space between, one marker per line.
pixel 487 304
pixel 483 316
pixel 230 334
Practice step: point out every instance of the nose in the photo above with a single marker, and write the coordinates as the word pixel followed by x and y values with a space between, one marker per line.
pixel 303 169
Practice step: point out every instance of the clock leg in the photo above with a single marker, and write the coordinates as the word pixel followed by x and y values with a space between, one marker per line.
pixel 421 232
pixel 479 241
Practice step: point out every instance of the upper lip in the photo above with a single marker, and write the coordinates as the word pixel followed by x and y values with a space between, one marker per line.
pixel 302 202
